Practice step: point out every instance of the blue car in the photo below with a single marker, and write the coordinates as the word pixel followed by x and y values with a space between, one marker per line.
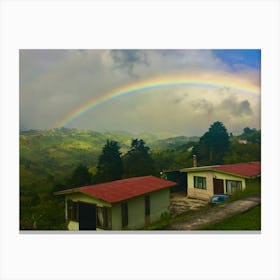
pixel 218 198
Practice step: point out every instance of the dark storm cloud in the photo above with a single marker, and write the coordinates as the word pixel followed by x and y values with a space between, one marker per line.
pixel 235 107
pixel 203 105
pixel 180 99
pixel 127 59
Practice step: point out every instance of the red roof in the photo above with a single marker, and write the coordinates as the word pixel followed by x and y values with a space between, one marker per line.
pixel 250 169
pixel 120 190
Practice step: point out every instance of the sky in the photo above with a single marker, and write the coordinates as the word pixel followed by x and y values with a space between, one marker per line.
pixel 171 92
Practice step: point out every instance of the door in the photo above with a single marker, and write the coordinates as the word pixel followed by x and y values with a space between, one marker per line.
pixel 218 186
pixel 87 216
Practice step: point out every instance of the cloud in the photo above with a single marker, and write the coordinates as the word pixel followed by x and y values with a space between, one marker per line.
pixel 54 83
pixel 202 105
pixel 180 98
pixel 236 108
pixel 128 59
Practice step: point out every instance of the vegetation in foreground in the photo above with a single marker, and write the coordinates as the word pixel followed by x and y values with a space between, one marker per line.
pixel 246 222
pixel 51 160
pixel 253 187
pixel 250 220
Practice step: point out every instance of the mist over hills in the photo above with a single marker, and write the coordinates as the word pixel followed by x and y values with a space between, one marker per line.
pixel 48 156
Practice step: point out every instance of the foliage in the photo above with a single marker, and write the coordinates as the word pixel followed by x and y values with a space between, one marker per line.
pixel 249 220
pixel 80 177
pixel 47 158
pixel 138 160
pixel 251 135
pixel 174 158
pixel 110 165
pixel 213 145
pixel 253 187
pixel 242 152
pixel 41 212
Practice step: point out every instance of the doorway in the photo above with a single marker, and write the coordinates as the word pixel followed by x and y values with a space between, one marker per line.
pixel 218 186
pixel 87 216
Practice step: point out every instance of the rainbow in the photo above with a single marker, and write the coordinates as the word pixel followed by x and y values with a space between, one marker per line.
pixel 213 81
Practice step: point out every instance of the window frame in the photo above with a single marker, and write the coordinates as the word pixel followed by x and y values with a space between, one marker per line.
pixel 236 188
pixel 199 180
pixel 103 217
pixel 72 210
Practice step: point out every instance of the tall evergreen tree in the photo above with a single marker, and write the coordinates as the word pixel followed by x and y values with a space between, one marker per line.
pixel 213 145
pixel 138 161
pixel 110 164
pixel 80 177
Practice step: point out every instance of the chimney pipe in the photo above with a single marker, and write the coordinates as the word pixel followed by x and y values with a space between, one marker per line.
pixel 194 161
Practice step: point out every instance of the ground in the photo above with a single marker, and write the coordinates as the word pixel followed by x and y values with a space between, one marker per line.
pixel 180 204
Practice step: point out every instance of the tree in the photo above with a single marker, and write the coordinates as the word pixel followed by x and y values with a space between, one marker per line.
pixel 110 164
pixel 213 145
pixel 80 177
pixel 251 135
pixel 138 161
pixel 243 152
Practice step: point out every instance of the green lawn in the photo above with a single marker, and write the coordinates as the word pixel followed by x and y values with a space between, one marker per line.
pixel 250 220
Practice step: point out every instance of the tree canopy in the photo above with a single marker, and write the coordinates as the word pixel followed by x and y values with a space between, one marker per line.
pixel 213 144
pixel 138 160
pixel 80 177
pixel 110 164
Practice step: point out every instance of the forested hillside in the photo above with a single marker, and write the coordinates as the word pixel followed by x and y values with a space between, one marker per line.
pixel 53 159
pixel 47 157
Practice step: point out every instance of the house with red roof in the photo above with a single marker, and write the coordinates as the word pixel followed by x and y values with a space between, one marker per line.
pixel 205 181
pixel 123 204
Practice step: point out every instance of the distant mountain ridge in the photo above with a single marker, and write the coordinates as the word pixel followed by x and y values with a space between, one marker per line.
pixel 48 156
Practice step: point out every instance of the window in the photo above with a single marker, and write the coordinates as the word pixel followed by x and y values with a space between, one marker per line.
pixel 72 210
pixel 199 182
pixel 124 214
pixel 103 215
pixel 147 206
pixel 233 186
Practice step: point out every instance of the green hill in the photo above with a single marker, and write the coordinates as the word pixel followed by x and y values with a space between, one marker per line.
pixel 47 157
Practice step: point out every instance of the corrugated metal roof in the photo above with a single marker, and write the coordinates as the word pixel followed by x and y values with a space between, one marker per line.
pixel 247 169
pixel 250 169
pixel 120 190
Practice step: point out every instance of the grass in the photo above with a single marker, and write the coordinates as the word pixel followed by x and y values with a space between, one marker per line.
pixel 166 219
pixel 249 220
pixel 252 188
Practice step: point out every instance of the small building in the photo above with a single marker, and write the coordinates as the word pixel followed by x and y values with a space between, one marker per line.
pixel 242 141
pixel 123 204
pixel 180 178
pixel 205 181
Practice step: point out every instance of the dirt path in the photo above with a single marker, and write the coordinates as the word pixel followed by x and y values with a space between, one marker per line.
pixel 215 214
pixel 180 204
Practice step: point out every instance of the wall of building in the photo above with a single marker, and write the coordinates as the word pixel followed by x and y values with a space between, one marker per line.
pixel 229 177
pixel 88 199
pixel 205 194
pixel 73 226
pixel 80 197
pixel 159 203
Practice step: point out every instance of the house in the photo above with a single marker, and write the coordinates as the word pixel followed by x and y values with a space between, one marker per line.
pixel 176 176
pixel 205 181
pixel 242 141
pixel 123 204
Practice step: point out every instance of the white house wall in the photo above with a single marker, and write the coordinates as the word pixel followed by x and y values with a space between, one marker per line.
pixel 206 194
